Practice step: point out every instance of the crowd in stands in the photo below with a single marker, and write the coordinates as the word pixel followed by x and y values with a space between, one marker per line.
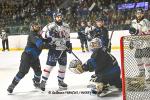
pixel 16 15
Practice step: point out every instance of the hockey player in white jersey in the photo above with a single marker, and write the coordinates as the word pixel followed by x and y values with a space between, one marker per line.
pixel 58 33
pixel 141 26
pixel 89 30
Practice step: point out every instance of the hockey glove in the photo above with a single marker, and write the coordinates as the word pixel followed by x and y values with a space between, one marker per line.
pixel 69 47
pixel 48 46
pixel 76 67
pixel 133 31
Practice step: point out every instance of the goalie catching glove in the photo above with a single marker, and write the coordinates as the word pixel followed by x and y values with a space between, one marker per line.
pixel 77 67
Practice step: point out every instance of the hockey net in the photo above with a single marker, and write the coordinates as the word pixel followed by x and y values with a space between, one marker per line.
pixel 134 87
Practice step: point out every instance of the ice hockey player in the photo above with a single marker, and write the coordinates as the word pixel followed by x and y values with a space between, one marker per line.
pixel 141 26
pixel 83 36
pixel 89 30
pixel 105 65
pixel 101 32
pixel 59 32
pixel 30 57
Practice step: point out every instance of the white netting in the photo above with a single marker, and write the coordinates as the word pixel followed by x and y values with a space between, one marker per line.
pixel 136 86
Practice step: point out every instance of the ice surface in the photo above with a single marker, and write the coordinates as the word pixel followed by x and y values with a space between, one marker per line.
pixel 9 65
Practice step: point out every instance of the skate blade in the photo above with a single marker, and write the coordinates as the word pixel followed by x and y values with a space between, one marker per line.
pixel 62 88
pixel 104 94
pixel 10 93
pixel 90 86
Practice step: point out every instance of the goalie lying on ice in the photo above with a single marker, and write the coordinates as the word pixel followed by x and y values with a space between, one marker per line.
pixel 105 65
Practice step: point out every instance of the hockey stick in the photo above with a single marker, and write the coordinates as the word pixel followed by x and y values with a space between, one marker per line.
pixel 60 54
pixel 109 42
pixel 75 56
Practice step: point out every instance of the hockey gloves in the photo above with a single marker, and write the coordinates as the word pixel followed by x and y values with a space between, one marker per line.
pixel 69 47
pixel 133 31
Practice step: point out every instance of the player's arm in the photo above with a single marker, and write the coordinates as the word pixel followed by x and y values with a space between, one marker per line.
pixel 36 40
pixel 132 29
pixel 47 31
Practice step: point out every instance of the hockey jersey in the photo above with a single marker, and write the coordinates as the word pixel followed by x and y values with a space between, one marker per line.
pixel 143 28
pixel 59 34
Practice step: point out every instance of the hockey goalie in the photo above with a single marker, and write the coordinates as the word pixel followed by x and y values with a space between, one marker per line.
pixel 105 66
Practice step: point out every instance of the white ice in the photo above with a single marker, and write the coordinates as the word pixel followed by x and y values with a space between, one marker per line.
pixel 9 65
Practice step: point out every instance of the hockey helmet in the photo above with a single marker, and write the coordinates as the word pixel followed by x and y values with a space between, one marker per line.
pixel 35 26
pixel 140 10
pixel 95 43
pixel 56 14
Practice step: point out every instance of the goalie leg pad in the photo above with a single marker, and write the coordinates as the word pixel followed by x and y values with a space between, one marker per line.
pixel 135 84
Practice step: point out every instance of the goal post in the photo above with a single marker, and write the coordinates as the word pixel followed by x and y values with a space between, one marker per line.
pixel 134 87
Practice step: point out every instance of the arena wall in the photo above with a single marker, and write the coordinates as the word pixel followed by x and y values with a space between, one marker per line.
pixel 18 42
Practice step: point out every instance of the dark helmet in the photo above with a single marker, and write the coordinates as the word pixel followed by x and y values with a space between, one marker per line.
pixel 140 10
pixel 56 14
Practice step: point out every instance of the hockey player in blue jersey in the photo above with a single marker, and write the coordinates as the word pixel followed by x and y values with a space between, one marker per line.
pixel 59 32
pixel 83 36
pixel 105 66
pixel 30 57
pixel 101 32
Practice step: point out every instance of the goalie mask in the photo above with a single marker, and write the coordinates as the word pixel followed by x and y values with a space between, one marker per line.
pixel 75 66
pixel 95 44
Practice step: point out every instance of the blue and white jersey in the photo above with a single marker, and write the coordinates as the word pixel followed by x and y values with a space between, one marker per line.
pixel 59 34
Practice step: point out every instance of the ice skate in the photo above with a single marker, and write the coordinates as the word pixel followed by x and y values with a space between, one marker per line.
pixel 42 85
pixel 62 85
pixel 107 90
pixel 36 84
pixel 11 88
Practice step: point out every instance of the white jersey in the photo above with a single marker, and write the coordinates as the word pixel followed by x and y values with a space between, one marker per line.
pixel 143 26
pixel 3 36
pixel 59 34
pixel 144 29
pixel 88 30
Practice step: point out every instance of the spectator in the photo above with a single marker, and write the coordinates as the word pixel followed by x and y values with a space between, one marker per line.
pixel 4 38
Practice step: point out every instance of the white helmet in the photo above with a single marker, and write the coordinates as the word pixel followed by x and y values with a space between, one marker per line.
pixel 95 43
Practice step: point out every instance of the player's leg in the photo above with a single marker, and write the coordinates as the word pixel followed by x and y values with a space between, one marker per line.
pixel 51 62
pixel 139 61
pixel 37 72
pixel 82 44
pixel 7 45
pixel 146 60
pixel 86 45
pixel 3 44
pixel 109 76
pixel 62 70
pixel 23 70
